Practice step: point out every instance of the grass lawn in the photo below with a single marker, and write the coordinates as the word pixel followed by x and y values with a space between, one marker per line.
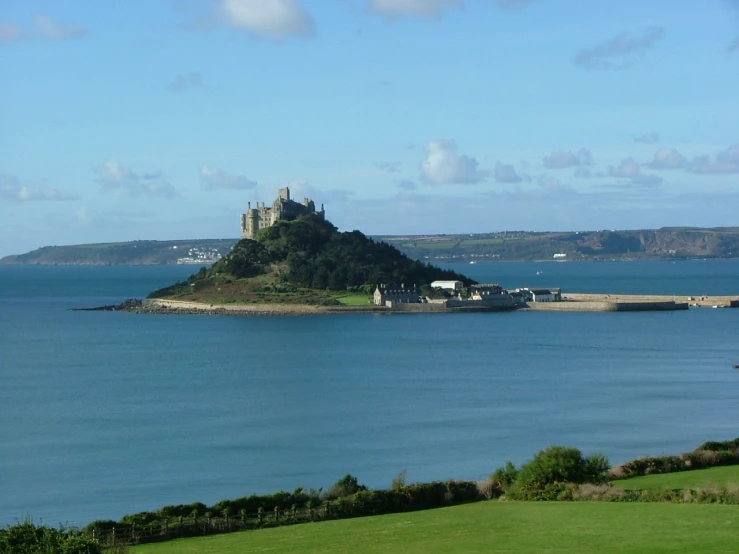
pixel 720 476
pixel 494 527
pixel 355 299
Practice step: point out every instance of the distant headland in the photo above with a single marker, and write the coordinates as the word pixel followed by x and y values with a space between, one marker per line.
pixel 668 243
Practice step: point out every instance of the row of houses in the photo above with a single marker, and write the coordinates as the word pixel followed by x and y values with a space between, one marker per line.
pixel 389 295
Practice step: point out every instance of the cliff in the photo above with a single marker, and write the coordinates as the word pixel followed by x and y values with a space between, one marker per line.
pixel 666 243
pixel 140 252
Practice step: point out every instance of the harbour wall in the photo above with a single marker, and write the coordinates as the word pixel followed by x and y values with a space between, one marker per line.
pixel 605 306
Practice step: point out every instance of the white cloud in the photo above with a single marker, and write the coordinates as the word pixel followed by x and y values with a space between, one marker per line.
pixel 647 138
pixel 273 19
pixel 52 30
pixel 733 45
pixel 668 158
pixel 506 173
pixel 183 82
pixel 443 166
pixel 629 169
pixel 14 190
pixel 724 162
pixel 10 33
pixel 620 52
pixel 111 175
pixel 406 184
pixel 414 8
pixel 562 158
pixel 212 178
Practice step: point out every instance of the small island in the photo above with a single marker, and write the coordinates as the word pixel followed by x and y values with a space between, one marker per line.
pixel 292 260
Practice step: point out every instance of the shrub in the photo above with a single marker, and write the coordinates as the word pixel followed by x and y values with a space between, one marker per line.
pixel 28 538
pixel 487 490
pixel 720 445
pixel 550 473
pixel 346 486
pixel 399 481
pixel 504 477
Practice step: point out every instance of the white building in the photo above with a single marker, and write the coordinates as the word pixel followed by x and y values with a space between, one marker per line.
pixel 447 285
pixel 541 295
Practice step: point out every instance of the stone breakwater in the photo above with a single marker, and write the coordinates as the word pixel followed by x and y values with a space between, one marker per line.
pixel 575 302
pixel 698 301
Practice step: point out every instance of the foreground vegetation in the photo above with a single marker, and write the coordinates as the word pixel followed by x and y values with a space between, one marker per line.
pixel 726 476
pixel 306 261
pixel 703 476
pixel 28 538
pixel 493 527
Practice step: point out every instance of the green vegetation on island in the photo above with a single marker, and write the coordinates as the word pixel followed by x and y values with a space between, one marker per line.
pixel 306 261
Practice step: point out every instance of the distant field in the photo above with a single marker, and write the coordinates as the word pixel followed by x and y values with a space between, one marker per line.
pixel 437 245
pixel 719 476
pixel 493 527
pixel 474 242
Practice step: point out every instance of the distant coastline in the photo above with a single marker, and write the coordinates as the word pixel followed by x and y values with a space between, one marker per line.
pixel 670 243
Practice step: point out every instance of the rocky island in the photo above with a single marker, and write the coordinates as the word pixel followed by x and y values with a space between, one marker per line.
pixel 295 261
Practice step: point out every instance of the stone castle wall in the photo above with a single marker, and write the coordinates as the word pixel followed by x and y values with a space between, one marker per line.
pixel 283 207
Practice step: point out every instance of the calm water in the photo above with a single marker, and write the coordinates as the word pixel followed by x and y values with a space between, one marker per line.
pixel 103 414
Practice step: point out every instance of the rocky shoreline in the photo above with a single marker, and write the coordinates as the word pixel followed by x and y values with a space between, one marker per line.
pixel 572 302
pixel 180 307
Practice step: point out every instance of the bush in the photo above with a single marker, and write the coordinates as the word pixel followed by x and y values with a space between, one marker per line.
pixel 346 486
pixel 550 473
pixel 399 481
pixel 720 445
pixel 504 477
pixel 28 538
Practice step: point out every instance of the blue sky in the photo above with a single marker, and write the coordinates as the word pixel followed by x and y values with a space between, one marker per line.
pixel 142 119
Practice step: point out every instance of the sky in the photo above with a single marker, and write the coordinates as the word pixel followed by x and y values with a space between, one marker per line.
pixel 160 119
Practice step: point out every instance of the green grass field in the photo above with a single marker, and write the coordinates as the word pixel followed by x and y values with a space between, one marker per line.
pixel 720 476
pixel 355 300
pixel 493 527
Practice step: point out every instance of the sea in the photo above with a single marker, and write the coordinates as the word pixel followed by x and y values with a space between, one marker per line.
pixel 104 414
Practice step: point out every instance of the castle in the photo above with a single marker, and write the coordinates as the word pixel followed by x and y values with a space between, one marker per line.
pixel 262 217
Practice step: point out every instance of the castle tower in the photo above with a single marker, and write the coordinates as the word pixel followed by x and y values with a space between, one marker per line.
pixel 282 208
